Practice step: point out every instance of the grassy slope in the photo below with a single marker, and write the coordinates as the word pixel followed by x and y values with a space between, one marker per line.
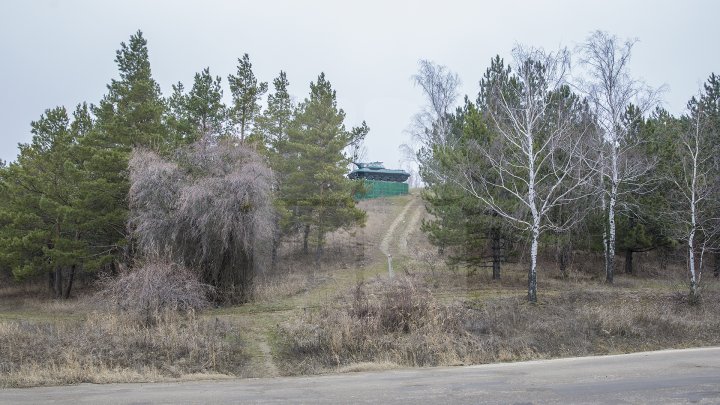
pixel 304 290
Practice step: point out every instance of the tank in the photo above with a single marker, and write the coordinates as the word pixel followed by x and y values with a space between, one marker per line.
pixel 376 171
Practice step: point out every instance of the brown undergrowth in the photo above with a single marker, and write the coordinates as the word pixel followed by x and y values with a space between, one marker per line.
pixel 401 322
pixel 107 347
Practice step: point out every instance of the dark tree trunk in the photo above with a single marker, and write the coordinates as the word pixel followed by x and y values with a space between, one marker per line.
pixel 496 255
pixel 318 251
pixel 58 282
pixel 68 287
pixel 51 281
pixel 246 265
pixel 716 269
pixel 562 262
pixel 275 244
pixel 306 236
pixel 629 261
pixel 273 255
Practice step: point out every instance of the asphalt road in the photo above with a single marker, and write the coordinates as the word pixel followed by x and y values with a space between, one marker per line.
pixel 672 376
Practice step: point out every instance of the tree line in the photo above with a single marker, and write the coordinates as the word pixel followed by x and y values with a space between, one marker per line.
pixel 569 159
pixel 139 177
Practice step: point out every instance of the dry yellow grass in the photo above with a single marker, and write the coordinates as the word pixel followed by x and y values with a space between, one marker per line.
pixel 403 322
pixel 107 347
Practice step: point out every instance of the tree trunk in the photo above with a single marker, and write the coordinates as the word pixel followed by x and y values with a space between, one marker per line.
pixel 532 274
pixel 562 260
pixel 318 250
pixel 628 261
pixel 51 281
pixel 496 254
pixel 58 282
pixel 275 244
pixel 68 287
pixel 306 236
pixel 716 269
pixel 691 262
pixel 610 270
pixel 691 257
pixel 273 255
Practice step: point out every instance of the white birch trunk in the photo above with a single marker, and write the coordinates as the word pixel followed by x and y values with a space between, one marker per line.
pixel 693 225
pixel 532 273
pixel 610 270
pixel 603 205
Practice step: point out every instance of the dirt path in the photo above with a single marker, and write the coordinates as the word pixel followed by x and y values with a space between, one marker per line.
pixel 259 320
pixel 412 225
pixel 393 236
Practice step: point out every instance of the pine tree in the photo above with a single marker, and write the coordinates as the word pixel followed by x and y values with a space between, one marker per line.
pixel 131 114
pixel 463 228
pixel 199 113
pixel 272 126
pixel 315 187
pixel 271 131
pixel 246 95
pixel 50 220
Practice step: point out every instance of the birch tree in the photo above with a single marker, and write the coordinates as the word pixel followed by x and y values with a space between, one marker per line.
pixel 696 193
pixel 432 126
pixel 538 159
pixel 613 94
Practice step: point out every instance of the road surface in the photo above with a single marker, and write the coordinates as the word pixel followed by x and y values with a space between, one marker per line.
pixel 672 376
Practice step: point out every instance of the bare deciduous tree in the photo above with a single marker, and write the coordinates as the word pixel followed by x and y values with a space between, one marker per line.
pixel 696 195
pixel 431 126
pixel 537 161
pixel 440 88
pixel 613 95
pixel 210 211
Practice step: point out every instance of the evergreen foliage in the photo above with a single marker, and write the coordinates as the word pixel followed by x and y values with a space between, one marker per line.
pixel 246 93
pixel 200 112
pixel 132 112
pixel 461 226
pixel 314 186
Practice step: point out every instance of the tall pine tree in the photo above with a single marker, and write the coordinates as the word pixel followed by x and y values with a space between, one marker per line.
pixel 315 188
pixel 131 113
pixel 200 112
pixel 246 95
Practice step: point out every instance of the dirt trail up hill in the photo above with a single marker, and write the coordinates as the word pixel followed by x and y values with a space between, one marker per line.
pixel 379 239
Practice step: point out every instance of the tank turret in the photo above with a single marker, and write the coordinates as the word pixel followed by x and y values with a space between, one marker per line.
pixel 377 171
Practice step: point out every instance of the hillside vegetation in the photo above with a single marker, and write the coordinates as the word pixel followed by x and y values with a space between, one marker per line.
pixel 347 314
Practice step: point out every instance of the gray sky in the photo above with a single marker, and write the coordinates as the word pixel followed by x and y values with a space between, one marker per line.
pixel 61 52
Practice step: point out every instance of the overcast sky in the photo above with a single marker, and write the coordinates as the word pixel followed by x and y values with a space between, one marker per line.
pixel 61 52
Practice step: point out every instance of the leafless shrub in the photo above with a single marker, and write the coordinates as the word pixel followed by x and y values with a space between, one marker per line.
pixel 152 289
pixel 210 210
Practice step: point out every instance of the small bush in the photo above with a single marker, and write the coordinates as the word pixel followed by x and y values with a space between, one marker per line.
pixel 153 289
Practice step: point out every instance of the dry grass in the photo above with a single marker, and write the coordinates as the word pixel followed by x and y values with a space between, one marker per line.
pixel 401 322
pixel 307 317
pixel 112 348
pixel 270 288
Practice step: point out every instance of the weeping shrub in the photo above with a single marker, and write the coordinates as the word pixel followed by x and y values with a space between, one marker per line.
pixel 209 209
